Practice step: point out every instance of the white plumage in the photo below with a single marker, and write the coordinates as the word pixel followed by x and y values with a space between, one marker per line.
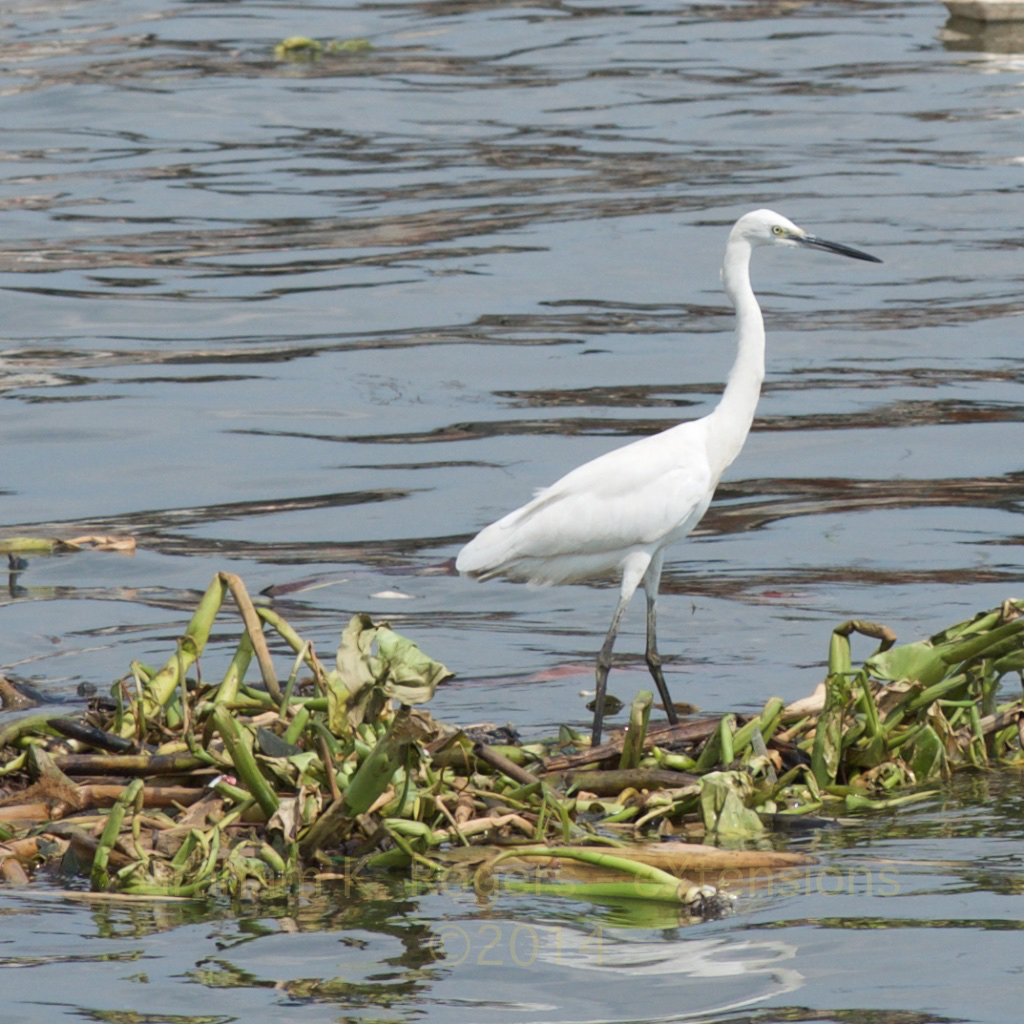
pixel 640 497
pixel 619 512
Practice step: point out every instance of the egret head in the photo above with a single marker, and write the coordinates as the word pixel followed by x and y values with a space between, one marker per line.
pixel 765 227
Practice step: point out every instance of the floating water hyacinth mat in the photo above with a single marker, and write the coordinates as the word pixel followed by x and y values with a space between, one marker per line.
pixel 175 786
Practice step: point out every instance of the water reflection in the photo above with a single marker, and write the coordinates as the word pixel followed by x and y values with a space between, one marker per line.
pixel 435 957
pixel 965 35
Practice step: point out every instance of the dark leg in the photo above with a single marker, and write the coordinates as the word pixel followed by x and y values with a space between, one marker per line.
pixel 604 664
pixel 654 659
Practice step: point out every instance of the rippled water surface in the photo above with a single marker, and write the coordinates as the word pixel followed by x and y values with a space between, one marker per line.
pixel 326 319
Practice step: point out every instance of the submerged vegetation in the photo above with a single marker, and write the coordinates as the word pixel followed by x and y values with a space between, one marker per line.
pixel 176 785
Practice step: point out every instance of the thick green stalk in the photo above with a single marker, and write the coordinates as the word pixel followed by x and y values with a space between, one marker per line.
pixel 243 759
pixel 600 892
pixel 254 628
pixel 648 882
pixel 160 689
pixel 372 777
pixel 828 734
pixel 227 692
pixel 99 878
pixel 633 744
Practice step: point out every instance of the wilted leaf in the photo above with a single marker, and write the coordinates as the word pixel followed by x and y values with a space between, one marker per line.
pixel 286 818
pixel 122 545
pixel 723 797
pixel 410 676
pixel 376 664
pixel 296 770
pixel 48 545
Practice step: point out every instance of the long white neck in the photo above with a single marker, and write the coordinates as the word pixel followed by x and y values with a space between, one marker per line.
pixel 732 417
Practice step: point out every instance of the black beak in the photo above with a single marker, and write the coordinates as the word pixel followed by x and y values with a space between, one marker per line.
pixel 813 242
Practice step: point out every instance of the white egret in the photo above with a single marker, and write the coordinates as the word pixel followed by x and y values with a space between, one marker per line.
pixel 619 512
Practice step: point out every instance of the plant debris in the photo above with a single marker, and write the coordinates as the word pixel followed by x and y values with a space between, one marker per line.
pixel 176 786
pixel 303 48
pixel 12 546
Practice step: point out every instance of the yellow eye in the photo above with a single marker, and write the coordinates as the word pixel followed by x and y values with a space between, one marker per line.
pixel 778 230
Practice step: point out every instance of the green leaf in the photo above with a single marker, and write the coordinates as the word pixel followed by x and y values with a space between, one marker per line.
pixel 916 662
pixel 828 734
pixel 927 754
